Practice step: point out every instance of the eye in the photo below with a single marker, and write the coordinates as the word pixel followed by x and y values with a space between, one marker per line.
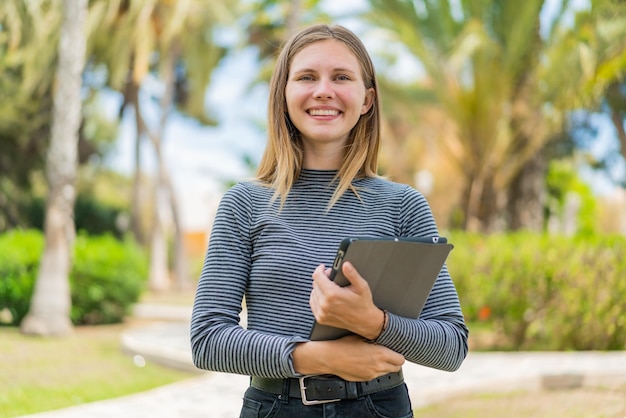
pixel 343 77
pixel 305 77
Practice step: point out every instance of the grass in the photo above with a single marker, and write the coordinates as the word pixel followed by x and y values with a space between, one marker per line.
pixel 597 402
pixel 41 374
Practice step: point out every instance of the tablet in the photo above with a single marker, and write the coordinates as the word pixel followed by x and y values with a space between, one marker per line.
pixel 400 272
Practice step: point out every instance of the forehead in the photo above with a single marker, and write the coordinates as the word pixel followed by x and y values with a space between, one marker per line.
pixel 329 53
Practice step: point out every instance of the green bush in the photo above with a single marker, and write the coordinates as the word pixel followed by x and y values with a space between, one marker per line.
pixel 20 252
pixel 541 292
pixel 107 276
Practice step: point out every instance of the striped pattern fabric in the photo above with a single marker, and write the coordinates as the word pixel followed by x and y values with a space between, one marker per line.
pixel 266 256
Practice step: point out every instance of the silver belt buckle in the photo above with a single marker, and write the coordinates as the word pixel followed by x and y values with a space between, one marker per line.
pixel 305 401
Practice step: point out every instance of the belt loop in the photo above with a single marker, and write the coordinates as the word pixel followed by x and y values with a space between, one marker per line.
pixel 284 397
pixel 352 391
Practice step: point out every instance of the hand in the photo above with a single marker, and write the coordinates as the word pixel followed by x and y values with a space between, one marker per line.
pixel 350 307
pixel 350 358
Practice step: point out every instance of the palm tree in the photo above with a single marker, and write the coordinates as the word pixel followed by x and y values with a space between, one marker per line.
pixel 271 22
pixel 605 84
pixel 584 61
pixel 494 76
pixel 26 31
pixel 172 41
pixel 49 312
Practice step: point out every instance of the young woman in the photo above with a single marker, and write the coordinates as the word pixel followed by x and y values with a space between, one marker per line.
pixel 273 238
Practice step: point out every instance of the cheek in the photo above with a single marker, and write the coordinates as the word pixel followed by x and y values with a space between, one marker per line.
pixel 352 97
pixel 292 99
pixel 356 100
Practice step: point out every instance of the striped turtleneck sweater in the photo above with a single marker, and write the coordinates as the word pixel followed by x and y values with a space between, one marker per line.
pixel 266 256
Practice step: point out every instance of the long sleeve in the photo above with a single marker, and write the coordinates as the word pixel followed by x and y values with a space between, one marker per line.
pixel 439 337
pixel 218 342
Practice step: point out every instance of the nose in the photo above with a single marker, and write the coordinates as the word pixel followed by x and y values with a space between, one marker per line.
pixel 324 89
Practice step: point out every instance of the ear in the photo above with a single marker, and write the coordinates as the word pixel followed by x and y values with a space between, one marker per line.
pixel 369 100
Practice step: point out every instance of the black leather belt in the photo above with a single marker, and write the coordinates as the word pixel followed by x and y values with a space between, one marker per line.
pixel 327 388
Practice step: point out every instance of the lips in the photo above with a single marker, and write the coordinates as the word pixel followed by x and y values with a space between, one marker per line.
pixel 323 112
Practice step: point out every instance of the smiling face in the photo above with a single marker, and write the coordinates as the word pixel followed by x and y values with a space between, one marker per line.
pixel 326 96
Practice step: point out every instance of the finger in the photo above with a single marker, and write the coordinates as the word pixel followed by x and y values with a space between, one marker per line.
pixel 314 297
pixel 319 272
pixel 321 282
pixel 313 303
pixel 393 358
pixel 319 290
pixel 353 276
pixel 397 360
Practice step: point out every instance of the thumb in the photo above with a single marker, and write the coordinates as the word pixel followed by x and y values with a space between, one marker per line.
pixel 353 276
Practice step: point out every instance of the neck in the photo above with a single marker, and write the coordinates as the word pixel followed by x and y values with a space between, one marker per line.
pixel 323 158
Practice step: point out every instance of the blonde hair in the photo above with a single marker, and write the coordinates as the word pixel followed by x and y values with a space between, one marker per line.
pixel 282 160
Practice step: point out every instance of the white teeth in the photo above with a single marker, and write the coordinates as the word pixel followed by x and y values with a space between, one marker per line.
pixel 323 112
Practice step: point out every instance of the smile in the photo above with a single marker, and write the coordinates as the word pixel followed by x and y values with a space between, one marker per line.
pixel 323 112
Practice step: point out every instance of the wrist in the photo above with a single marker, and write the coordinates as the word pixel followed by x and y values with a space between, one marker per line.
pixel 309 358
pixel 373 337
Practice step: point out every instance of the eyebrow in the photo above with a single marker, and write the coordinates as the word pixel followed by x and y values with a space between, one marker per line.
pixel 311 70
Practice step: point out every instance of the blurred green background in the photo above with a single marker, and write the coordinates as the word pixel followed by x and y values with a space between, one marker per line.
pixel 509 116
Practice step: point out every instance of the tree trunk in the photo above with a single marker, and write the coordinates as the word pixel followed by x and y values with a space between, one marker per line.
pixel 616 99
pixel 159 280
pixel 135 207
pixel 618 123
pixel 49 312
pixel 472 197
pixel 158 275
pixel 492 205
pixel 294 16
pixel 526 196
pixel 483 204
pixel 180 264
pixel 165 192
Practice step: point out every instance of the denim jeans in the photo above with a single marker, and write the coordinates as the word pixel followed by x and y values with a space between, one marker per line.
pixel 390 403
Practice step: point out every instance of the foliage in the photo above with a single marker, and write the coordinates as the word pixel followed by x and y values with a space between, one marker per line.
pixel 28 29
pixel 20 252
pixel 100 207
pixel 544 292
pixel 564 185
pixel 107 276
pixel 505 78
pixel 272 21
pixel 90 215
pixel 164 51
pixel 94 217
pixel 135 43
pixel 25 97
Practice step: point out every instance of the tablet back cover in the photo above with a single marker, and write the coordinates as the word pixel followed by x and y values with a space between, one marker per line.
pixel 400 273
